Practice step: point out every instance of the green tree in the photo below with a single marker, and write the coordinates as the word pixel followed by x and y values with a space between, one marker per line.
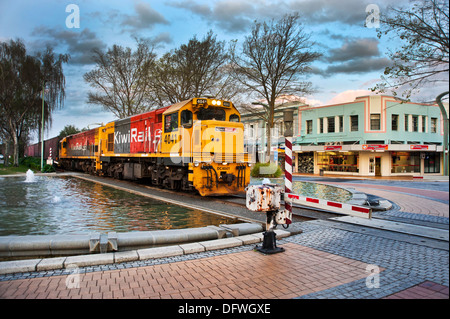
pixel 22 80
pixel 68 130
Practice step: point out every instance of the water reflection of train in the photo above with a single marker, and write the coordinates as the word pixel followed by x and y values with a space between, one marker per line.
pixel 197 144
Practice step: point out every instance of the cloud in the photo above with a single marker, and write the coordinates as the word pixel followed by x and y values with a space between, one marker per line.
pixel 79 44
pixel 354 49
pixel 359 65
pixel 145 18
pixel 233 15
pixel 355 55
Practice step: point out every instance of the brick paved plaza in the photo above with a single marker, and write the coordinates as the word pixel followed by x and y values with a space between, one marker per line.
pixel 322 262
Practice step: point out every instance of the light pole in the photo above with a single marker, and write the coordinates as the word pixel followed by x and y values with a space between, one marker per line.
pixel 42 129
pixel 445 120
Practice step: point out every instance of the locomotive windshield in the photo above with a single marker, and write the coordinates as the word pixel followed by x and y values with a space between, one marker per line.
pixel 211 113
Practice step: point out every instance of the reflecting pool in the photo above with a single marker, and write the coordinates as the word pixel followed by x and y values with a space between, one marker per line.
pixel 315 190
pixel 43 205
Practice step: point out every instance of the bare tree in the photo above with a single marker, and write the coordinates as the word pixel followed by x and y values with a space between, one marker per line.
pixel 197 68
pixel 423 57
pixel 273 59
pixel 121 79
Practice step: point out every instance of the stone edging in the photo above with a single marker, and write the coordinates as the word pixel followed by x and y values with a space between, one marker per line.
pixel 31 265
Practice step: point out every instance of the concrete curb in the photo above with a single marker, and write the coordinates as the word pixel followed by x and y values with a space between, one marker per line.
pixel 30 265
pixel 69 245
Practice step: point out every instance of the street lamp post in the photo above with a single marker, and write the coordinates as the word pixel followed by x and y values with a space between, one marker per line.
pixel 445 120
pixel 42 129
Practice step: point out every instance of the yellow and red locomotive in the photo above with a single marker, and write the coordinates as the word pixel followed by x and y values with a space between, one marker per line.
pixel 194 144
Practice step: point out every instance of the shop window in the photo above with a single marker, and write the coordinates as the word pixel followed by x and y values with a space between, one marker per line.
pixel 353 123
pixel 309 126
pixel 395 122
pixel 375 122
pixel 331 125
pixel 405 162
pixel 433 125
pixel 431 163
pixel 338 162
pixel 415 123
pixel 424 124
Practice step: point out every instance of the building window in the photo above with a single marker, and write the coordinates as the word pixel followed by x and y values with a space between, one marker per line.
pixel 431 163
pixel 341 124
pixel 338 161
pixel 424 124
pixel 309 126
pixel 405 162
pixel 415 123
pixel 353 123
pixel 433 125
pixel 406 123
pixel 321 125
pixel 375 123
pixel 395 122
pixel 331 125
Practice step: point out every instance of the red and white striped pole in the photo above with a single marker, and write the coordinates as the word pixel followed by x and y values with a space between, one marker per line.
pixel 288 177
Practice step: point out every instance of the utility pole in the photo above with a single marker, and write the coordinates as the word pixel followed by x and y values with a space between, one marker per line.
pixel 42 129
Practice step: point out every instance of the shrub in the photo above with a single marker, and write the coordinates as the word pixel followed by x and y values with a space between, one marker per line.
pixel 48 168
pixel 273 170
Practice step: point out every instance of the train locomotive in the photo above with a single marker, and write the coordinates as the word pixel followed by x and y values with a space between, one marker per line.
pixel 197 144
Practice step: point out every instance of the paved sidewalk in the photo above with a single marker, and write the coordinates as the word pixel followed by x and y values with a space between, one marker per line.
pixel 323 262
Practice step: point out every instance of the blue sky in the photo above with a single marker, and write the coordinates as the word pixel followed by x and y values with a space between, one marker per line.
pixel 352 62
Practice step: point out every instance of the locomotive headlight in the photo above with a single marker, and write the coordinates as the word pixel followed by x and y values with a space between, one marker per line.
pixel 224 163
pixel 214 102
pixel 196 163
pixel 218 103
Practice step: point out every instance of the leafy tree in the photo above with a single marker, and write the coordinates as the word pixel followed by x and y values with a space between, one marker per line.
pixel 68 130
pixel 121 79
pixel 272 62
pixel 22 80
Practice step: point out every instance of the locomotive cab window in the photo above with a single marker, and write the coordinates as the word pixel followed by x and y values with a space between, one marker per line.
pixel 171 122
pixel 211 113
pixel 186 118
pixel 234 118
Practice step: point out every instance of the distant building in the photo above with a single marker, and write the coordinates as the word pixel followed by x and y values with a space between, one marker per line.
pixel 255 128
pixel 375 135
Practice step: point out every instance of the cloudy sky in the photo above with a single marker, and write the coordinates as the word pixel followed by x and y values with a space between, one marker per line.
pixel 352 62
